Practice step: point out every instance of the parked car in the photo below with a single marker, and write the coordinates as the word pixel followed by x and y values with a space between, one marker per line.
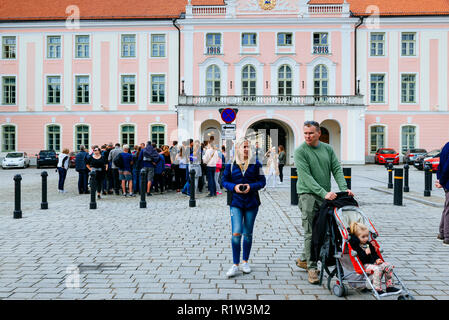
pixel 16 160
pixel 72 156
pixel 411 155
pixel 419 161
pixel 386 155
pixel 433 162
pixel 47 158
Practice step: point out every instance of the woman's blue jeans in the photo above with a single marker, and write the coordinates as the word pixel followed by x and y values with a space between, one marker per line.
pixel 242 221
pixel 62 174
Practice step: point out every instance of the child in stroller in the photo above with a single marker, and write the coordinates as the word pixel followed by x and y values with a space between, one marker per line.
pixel 370 259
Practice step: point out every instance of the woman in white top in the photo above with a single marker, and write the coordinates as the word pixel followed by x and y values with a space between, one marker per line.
pixel 181 169
pixel 210 159
pixel 62 167
pixel 272 169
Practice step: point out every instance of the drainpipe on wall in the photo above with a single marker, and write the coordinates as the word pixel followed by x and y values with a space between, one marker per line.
pixel 355 53
pixel 179 67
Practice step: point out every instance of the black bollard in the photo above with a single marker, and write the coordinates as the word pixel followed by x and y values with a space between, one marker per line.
pixel 406 188
pixel 93 190
pixel 44 203
pixel 398 177
pixel 143 188
pixel 192 201
pixel 390 175
pixel 17 209
pixel 293 192
pixel 427 180
pixel 347 174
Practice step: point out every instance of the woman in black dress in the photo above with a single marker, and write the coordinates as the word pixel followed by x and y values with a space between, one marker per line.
pixel 99 164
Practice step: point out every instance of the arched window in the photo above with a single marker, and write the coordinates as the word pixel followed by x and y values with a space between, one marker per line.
pixel 408 138
pixel 158 134
pixel 54 137
pixel 127 134
pixel 8 138
pixel 213 81
pixel 285 82
pixel 377 138
pixel 81 136
pixel 249 82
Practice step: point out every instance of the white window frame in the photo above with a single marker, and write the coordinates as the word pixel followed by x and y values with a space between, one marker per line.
pixel 385 43
pixel 75 89
pixel 369 136
pixel 121 44
pixel 292 47
pixel 244 49
pixel 331 68
pixel 416 87
pixel 151 89
pixel 150 49
pixel 150 128
pixel 416 135
pixel 135 90
pixel 17 46
pixel 416 45
pixel 1 90
pixel 221 43
pixel 61 102
pixel 75 49
pixel 223 74
pixel 120 132
pixel 15 136
pixel 329 43
pixel 46 135
pixel 385 74
pixel 238 68
pixel 74 135
pixel 46 36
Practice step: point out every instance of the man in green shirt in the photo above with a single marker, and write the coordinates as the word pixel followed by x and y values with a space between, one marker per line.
pixel 315 161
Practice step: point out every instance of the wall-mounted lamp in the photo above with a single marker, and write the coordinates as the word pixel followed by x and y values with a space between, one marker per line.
pixel 266 84
pixel 230 84
pixel 358 85
pixel 183 93
pixel 303 84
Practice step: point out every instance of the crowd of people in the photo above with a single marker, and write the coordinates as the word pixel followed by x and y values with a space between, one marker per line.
pixel 118 167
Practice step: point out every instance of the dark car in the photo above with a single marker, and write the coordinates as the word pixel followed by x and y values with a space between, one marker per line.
pixel 419 161
pixel 72 156
pixel 411 155
pixel 47 158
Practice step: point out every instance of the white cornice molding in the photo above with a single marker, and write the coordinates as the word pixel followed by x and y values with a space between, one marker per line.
pixel 87 24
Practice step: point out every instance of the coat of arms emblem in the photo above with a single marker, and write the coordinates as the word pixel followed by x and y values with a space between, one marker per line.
pixel 267 4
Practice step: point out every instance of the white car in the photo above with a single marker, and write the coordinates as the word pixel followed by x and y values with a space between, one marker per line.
pixel 16 160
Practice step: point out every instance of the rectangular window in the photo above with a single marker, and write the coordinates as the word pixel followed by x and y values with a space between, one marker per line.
pixel 82 46
pixel 9 138
pixel 377 88
pixel 408 43
pixel 157 88
pixel 128 135
pixel 408 88
pixel 285 39
pixel 158 45
pixel 377 137
pixel 8 47
pixel 128 45
pixel 82 89
pixel 213 43
pixel 128 89
pixel 408 138
pixel 377 44
pixel 54 47
pixel 320 43
pixel 81 136
pixel 249 39
pixel 54 138
pixel 9 90
pixel 158 135
pixel 53 89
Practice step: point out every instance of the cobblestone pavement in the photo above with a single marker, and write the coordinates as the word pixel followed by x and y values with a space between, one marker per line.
pixel 171 251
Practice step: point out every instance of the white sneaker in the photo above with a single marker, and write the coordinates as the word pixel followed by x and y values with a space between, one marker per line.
pixel 232 271
pixel 245 267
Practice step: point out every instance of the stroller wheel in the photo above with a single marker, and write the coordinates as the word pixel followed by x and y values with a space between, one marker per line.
pixel 405 297
pixel 402 298
pixel 339 290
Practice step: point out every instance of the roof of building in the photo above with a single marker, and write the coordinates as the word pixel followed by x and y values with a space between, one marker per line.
pixel 393 7
pixel 23 10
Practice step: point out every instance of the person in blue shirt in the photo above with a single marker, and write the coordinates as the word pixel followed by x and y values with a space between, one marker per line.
pixel 244 178
pixel 158 179
pixel 80 167
pixel 443 182
pixel 125 172
pixel 148 157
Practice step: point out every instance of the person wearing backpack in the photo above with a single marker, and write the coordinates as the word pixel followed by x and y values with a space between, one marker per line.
pixel 149 158
pixel 115 174
pixel 80 167
pixel 62 167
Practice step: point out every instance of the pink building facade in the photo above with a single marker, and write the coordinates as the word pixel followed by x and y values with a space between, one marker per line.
pixel 371 81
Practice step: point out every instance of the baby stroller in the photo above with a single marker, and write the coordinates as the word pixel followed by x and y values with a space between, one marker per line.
pixel 335 250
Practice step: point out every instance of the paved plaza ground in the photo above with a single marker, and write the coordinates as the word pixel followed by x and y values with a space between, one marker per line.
pixel 171 251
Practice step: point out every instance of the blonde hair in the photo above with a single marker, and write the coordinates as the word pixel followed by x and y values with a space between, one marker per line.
pixel 65 151
pixel 356 228
pixel 238 156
